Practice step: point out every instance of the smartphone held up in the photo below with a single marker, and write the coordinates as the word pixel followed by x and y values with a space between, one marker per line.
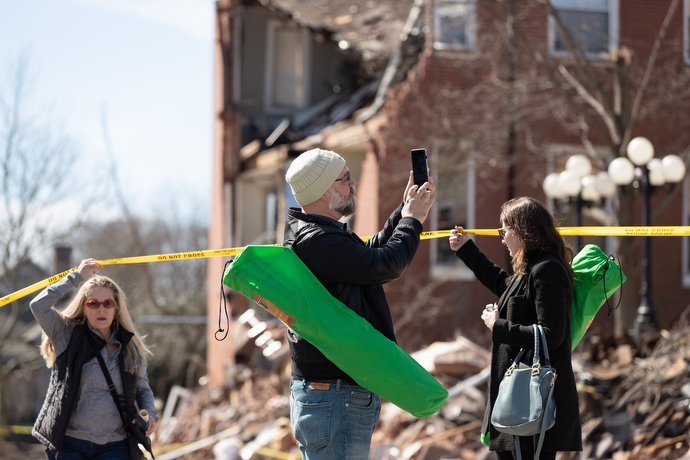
pixel 420 166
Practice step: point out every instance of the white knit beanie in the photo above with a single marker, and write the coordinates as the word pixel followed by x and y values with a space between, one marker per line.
pixel 312 173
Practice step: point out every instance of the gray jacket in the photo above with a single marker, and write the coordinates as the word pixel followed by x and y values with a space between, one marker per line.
pixel 78 403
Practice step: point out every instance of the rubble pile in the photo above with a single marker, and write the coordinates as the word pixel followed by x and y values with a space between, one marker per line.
pixel 227 424
pixel 633 407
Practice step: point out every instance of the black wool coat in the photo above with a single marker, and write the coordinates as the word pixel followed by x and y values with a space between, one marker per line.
pixel 545 297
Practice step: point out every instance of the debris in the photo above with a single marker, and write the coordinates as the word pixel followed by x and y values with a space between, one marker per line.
pixel 634 403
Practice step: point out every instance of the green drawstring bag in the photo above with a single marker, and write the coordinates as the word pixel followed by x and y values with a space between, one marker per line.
pixel 597 276
pixel 278 280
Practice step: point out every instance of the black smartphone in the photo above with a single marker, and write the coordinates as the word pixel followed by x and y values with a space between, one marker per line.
pixel 420 166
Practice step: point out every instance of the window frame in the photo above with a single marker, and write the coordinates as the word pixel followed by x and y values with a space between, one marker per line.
pixel 471 33
pixel 457 271
pixel 686 32
pixel 269 96
pixel 614 18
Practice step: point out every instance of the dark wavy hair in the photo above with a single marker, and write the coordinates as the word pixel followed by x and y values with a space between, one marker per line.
pixel 535 228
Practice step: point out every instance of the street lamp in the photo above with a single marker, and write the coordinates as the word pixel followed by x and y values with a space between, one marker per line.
pixel 649 173
pixel 640 169
pixel 578 183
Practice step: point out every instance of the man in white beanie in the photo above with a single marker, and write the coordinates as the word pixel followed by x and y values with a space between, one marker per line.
pixel 333 418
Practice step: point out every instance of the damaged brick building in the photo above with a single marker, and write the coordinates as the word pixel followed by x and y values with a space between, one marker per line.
pixel 500 92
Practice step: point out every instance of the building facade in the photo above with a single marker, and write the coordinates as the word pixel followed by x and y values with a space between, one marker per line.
pixel 500 93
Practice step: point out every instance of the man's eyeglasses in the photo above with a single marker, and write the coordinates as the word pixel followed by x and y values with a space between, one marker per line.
pixel 94 304
pixel 345 179
pixel 502 231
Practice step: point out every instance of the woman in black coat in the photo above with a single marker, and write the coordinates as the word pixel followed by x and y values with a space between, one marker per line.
pixel 539 292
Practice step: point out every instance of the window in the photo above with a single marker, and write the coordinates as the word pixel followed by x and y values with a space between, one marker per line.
pixel 455 198
pixel 686 31
pixel 455 24
pixel 593 25
pixel 257 216
pixel 287 68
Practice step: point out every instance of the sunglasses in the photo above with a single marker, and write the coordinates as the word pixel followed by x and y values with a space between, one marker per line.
pixel 502 231
pixel 94 304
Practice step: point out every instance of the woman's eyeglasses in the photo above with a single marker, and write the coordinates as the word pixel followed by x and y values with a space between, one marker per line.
pixel 502 231
pixel 345 179
pixel 94 304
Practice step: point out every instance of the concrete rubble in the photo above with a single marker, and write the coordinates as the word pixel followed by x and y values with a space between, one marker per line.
pixel 634 398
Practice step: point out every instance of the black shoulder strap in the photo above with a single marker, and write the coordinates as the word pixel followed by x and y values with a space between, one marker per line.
pixel 109 381
pixel 116 397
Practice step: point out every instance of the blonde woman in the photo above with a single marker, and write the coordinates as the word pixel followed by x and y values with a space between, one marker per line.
pixel 79 418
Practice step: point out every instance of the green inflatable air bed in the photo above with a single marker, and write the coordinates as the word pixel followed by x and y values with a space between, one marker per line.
pixel 277 279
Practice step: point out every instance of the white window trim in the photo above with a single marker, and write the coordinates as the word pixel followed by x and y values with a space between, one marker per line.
pixel 614 18
pixel 457 271
pixel 685 243
pixel 271 27
pixel 471 32
pixel 686 31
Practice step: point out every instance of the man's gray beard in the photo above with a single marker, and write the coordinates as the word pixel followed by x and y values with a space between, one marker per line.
pixel 344 204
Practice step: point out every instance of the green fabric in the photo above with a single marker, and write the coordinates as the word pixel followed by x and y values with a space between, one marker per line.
pixel 289 291
pixel 485 438
pixel 591 267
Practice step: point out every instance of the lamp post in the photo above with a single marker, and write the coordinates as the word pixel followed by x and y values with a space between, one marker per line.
pixel 646 172
pixel 640 169
pixel 577 183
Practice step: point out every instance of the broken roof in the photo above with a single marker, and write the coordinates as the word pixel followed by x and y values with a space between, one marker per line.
pixel 384 34
pixel 373 28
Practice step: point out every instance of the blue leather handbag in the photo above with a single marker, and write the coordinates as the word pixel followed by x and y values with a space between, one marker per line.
pixel 524 405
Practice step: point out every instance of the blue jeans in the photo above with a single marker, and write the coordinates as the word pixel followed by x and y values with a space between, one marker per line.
pixel 78 449
pixel 333 421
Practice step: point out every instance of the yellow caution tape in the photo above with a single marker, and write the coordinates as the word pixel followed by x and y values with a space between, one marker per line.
pixel 5 430
pixel 583 231
pixel 566 231
pixel 126 260
pixel 625 231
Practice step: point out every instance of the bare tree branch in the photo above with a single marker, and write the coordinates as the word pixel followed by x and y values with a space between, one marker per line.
pixel 591 100
pixel 637 102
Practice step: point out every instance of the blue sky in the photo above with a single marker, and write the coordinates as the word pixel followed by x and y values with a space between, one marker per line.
pixel 147 65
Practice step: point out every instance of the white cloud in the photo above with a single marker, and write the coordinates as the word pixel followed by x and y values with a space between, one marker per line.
pixel 194 17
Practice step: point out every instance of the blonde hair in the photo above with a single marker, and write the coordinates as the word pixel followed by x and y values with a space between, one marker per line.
pixel 135 351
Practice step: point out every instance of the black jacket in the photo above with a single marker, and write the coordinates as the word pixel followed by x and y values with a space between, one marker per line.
pixel 545 297
pixel 65 381
pixel 353 271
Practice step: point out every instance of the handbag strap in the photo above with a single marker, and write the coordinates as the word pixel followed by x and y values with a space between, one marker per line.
pixel 539 336
pixel 537 353
pixel 542 334
pixel 108 380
